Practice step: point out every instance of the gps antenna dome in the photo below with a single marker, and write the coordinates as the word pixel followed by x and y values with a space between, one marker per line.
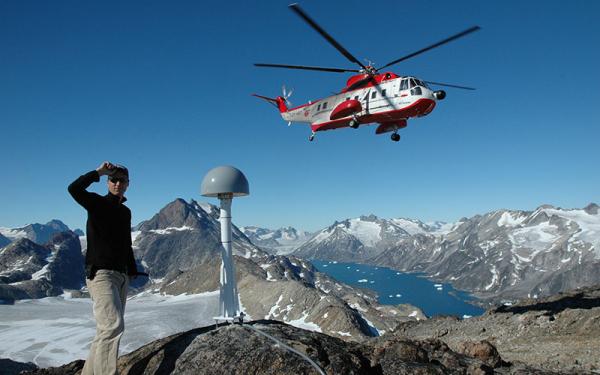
pixel 226 182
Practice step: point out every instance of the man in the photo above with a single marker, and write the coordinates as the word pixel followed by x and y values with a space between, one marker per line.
pixel 109 261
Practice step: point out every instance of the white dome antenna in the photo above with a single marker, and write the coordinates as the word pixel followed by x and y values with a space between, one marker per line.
pixel 226 182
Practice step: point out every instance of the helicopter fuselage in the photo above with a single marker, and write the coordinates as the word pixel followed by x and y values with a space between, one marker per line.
pixel 389 100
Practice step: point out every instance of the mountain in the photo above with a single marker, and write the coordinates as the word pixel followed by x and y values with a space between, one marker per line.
pixel 29 270
pixel 180 248
pixel 511 254
pixel 38 233
pixel 182 236
pixel 360 239
pixel 3 241
pixel 501 255
pixel 280 241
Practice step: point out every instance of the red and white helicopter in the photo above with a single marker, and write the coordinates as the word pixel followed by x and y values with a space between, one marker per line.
pixel 369 97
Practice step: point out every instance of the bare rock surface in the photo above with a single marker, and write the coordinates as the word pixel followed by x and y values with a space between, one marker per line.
pixel 8 366
pixel 271 347
pixel 558 333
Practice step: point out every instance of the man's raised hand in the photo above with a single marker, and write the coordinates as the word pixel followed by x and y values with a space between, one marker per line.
pixel 106 168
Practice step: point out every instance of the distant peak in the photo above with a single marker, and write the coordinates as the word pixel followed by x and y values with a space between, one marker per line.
pixel 545 207
pixel 56 222
pixel 592 209
pixel 181 201
pixel 370 217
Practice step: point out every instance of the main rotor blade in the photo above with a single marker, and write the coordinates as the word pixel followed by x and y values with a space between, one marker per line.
pixel 296 8
pixel 447 40
pixel 449 85
pixel 335 70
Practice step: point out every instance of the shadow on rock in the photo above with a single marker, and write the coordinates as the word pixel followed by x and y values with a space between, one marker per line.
pixel 579 300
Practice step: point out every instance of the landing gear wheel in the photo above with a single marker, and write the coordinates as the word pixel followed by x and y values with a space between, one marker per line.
pixel 353 124
pixel 395 137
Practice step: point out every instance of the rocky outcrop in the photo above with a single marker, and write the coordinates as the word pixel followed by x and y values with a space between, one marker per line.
pixel 10 367
pixel 269 347
pixel 561 333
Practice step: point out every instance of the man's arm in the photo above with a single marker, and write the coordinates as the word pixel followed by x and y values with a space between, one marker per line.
pixel 77 188
pixel 78 191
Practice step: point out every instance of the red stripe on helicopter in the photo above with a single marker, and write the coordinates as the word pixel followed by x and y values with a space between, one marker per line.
pixel 419 108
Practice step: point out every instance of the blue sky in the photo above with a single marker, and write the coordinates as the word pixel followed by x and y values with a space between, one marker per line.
pixel 164 88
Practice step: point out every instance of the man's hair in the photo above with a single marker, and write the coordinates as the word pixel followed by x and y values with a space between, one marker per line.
pixel 120 169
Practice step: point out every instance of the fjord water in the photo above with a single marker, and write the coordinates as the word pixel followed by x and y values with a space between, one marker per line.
pixel 395 287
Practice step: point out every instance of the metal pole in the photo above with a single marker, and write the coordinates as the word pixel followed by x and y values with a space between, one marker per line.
pixel 228 297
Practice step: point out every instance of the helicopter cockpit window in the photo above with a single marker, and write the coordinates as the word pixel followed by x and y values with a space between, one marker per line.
pixel 420 83
pixel 412 83
pixel 404 84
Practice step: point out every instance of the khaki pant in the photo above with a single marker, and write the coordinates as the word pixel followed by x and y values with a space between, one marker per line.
pixel 109 293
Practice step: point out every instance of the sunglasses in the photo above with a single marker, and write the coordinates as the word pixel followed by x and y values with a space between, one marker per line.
pixel 114 180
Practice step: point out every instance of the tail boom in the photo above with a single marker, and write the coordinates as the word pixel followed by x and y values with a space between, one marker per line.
pixel 278 102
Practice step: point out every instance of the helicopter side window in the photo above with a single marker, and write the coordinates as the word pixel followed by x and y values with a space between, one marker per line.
pixel 348 98
pixel 319 107
pixel 416 91
pixel 404 85
pixel 373 94
pixel 324 105
pixel 383 92
pixel 356 97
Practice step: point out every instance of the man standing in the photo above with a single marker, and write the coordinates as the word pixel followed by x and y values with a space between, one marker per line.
pixel 109 261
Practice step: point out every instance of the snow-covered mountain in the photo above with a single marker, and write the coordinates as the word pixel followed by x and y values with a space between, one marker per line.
pixel 513 254
pixel 279 241
pixel 362 238
pixel 505 254
pixel 38 233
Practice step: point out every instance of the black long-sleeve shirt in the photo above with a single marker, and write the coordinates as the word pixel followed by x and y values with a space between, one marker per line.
pixel 108 227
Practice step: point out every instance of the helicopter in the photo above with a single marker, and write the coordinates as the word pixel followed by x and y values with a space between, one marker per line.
pixel 372 96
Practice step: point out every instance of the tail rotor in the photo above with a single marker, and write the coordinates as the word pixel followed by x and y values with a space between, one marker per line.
pixel 286 94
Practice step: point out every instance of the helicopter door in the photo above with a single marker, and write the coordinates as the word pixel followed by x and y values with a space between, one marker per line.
pixel 404 89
